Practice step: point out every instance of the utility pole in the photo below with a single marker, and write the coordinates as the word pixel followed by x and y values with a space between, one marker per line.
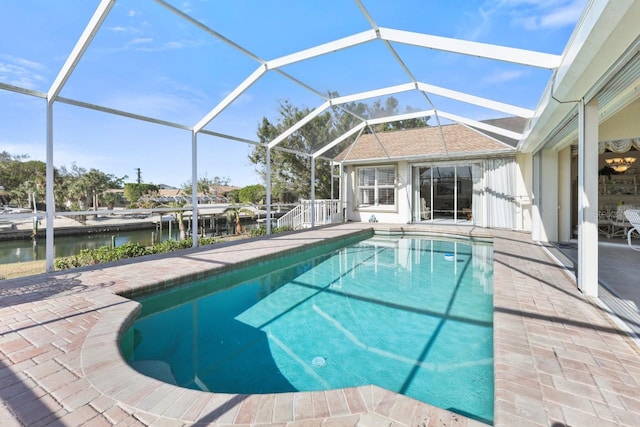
pixel 139 175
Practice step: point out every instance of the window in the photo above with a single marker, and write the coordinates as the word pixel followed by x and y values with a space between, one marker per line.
pixel 377 186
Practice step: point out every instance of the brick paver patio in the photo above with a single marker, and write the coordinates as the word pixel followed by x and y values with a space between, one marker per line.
pixel 559 360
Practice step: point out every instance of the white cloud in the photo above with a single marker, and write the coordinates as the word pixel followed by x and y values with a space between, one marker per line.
pixel 173 45
pixel 147 45
pixel 531 15
pixel 21 72
pixel 504 76
pixel 483 22
pixel 567 15
pixel 64 154
pixel 29 64
pixel 159 105
pixel 181 88
pixel 124 30
pixel 118 29
pixel 140 41
pixel 542 14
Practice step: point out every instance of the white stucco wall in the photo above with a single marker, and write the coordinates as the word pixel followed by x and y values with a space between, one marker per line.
pixel 401 214
pixel 564 194
pixel 524 198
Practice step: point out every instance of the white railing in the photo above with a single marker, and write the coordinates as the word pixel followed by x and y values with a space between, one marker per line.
pixel 325 212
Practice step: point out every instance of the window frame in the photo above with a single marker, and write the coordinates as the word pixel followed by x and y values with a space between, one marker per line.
pixel 376 186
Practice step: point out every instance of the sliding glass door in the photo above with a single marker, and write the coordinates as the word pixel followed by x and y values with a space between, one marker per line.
pixel 443 193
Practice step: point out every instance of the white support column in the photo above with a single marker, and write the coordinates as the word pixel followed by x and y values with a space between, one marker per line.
pixel 588 198
pixel 331 183
pixel 342 192
pixel 268 185
pixel 63 75
pixel 548 196
pixel 51 205
pixel 313 192
pixel 564 194
pixel 536 216
pixel 194 189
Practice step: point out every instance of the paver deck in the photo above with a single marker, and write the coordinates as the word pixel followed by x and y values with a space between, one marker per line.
pixel 559 359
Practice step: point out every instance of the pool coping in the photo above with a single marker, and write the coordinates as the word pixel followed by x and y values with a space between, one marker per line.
pixel 558 359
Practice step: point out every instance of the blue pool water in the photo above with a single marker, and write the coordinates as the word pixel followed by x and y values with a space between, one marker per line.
pixel 412 315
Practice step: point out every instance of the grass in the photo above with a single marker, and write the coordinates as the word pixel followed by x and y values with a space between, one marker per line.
pixel 21 269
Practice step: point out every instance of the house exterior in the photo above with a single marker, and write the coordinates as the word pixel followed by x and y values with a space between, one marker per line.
pixel 452 174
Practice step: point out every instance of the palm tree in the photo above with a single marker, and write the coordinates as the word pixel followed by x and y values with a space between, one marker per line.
pixel 179 217
pixel 234 214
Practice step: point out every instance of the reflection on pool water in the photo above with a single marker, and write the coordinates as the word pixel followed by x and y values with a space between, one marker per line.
pixel 410 314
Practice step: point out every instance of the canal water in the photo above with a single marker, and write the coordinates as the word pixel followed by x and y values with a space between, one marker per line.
pixel 22 250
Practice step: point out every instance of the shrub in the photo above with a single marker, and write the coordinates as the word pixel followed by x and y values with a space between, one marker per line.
pixel 128 250
pixel 208 240
pixel 133 249
pixel 260 231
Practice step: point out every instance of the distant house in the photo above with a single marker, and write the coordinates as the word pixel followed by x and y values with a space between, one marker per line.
pixel 216 195
pixel 452 173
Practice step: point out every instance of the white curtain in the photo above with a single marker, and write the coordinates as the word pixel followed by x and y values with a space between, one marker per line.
pixel 619 146
pixel 478 194
pixel 500 191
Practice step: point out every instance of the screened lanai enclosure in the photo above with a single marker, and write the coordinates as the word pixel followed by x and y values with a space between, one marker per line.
pixel 185 84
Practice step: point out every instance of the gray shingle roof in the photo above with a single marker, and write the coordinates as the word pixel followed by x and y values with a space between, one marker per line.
pixel 427 142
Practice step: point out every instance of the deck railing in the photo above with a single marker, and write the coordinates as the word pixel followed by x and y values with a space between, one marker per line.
pixel 325 212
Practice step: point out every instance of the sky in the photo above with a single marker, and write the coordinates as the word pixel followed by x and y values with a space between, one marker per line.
pixel 147 60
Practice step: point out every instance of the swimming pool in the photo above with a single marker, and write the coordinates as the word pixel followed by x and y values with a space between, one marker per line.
pixel 412 315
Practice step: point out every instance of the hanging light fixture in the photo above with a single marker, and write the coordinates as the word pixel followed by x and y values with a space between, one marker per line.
pixel 620 164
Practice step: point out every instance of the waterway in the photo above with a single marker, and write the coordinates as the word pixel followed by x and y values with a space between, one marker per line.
pixel 22 250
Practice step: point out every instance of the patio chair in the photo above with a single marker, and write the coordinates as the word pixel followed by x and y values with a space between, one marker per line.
pixel 633 215
pixel 425 212
pixel 619 224
pixel 604 222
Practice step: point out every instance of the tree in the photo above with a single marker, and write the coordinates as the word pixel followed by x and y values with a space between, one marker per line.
pixel 134 192
pixel 252 194
pixel 206 185
pixel 291 172
pixel 233 196
pixel 234 214
pixel 179 218
pixel 86 187
pixel 390 108
pixel 110 199
pixel 23 180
